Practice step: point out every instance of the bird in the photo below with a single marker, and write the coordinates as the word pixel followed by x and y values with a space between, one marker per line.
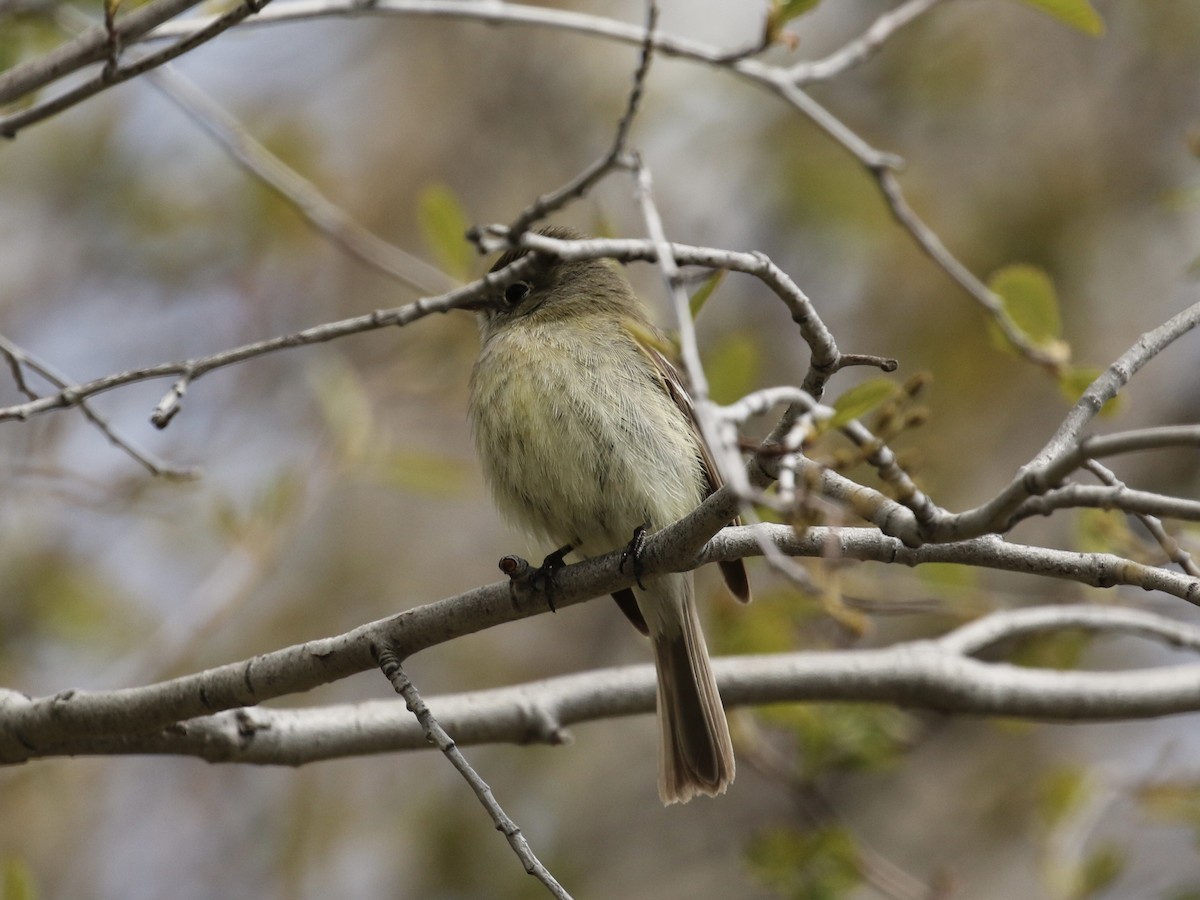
pixel 587 435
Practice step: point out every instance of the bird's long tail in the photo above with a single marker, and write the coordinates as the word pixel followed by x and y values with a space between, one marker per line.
pixel 695 753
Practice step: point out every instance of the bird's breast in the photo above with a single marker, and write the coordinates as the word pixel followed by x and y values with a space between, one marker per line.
pixel 577 439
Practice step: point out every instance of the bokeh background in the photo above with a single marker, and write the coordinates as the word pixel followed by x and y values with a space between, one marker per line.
pixel 339 483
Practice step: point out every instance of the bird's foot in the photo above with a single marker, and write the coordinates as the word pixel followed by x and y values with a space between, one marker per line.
pixel 633 553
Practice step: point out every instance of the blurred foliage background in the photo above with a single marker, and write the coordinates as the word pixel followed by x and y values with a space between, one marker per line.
pixel 339 484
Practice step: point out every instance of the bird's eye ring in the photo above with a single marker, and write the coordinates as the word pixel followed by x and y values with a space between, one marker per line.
pixel 516 292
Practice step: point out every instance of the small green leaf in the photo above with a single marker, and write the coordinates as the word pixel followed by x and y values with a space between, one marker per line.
pixel 1099 871
pixel 1030 301
pixel 733 367
pixel 948 579
pixel 1182 199
pixel 1103 531
pixel 346 407
pixel 822 864
pixel 1061 793
pixel 862 399
pixel 1060 650
pixel 705 291
pixel 786 10
pixel 1174 802
pixel 1079 14
pixel 425 472
pixel 844 737
pixel 444 227
pixel 779 13
pixel 16 880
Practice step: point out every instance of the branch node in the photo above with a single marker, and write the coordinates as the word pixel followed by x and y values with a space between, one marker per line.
pixel 516 568
pixel 168 406
pixel 883 363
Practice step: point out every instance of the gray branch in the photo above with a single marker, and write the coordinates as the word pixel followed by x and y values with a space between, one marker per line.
pixel 937 675
pixel 33 727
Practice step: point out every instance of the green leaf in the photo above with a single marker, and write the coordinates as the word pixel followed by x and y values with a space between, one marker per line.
pixel 786 10
pixel 772 624
pixel 1182 199
pixel 1104 531
pixel 705 291
pixel 444 227
pixel 816 865
pixel 862 399
pixel 733 367
pixel 346 407
pixel 1099 871
pixel 1029 300
pixel 1079 14
pixel 1060 650
pixel 426 472
pixel 16 880
pixel 779 13
pixel 1176 802
pixel 1061 793
pixel 948 579
pixel 844 737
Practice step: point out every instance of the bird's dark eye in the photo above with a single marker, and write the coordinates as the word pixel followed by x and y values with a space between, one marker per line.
pixel 516 292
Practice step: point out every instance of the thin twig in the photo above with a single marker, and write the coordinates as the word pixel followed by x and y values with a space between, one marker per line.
pixel 781 80
pixel 193 369
pixel 389 663
pixel 19 358
pixel 326 216
pixel 1152 524
pixel 993 305
pixel 1110 382
pixel 113 74
pixel 813 330
pixel 93 47
pixel 578 186
pixel 975 637
pixel 864 46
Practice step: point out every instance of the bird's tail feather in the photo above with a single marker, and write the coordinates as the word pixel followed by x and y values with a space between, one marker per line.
pixel 695 753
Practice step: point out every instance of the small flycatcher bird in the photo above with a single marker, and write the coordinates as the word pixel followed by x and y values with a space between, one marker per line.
pixel 586 435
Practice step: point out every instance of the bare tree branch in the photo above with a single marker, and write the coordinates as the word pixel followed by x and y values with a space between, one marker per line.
pixel 813 330
pixel 19 358
pixel 1066 450
pixel 1152 524
pixel 437 736
pixel 91 47
pixel 1108 385
pixel 27 727
pixel 780 80
pixel 864 46
pixel 113 39
pixel 328 218
pixel 937 675
pixel 1104 570
pixel 615 158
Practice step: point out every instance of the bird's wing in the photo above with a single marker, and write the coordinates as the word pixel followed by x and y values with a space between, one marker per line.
pixel 655 346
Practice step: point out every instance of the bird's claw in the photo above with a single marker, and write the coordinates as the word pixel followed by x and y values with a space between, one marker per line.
pixel 633 551
pixel 542 578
